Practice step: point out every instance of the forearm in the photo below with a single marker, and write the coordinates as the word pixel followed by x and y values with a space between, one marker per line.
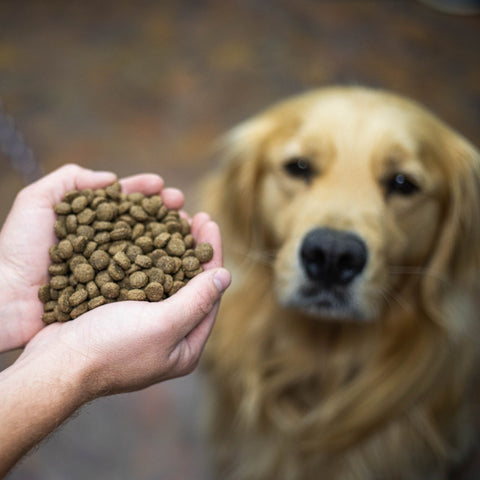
pixel 36 396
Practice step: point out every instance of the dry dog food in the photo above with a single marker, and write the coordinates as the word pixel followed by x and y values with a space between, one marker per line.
pixel 113 246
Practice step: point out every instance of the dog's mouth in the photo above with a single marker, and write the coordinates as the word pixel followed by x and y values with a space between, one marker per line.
pixel 318 302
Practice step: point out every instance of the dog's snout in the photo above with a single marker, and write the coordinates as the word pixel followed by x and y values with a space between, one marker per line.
pixel 333 257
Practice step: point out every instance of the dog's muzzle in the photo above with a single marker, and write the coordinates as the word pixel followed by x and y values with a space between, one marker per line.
pixel 331 261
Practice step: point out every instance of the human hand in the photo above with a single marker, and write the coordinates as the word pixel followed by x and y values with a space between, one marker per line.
pixel 28 233
pixel 125 346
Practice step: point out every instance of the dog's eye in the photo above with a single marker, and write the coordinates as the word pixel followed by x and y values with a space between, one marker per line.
pixel 401 184
pixel 299 167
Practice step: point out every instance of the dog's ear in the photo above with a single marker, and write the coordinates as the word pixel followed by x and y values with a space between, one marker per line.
pixel 455 263
pixel 231 192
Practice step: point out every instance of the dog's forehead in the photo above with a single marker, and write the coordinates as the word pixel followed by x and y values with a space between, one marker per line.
pixel 345 124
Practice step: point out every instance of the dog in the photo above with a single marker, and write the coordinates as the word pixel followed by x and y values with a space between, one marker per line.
pixel 348 346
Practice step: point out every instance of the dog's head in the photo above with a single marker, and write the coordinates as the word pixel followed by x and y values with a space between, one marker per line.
pixel 359 194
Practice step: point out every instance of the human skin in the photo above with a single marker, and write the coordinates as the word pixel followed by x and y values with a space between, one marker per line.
pixel 119 347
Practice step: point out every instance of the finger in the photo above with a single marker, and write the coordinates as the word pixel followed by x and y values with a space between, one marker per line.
pixel 173 198
pixel 197 338
pixel 147 183
pixel 51 189
pixel 198 220
pixel 210 232
pixel 195 301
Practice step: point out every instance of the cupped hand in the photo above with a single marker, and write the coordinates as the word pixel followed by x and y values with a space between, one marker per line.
pixel 28 233
pixel 125 346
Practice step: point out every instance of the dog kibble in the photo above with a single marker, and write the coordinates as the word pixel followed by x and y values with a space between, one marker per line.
pixel 114 247
pixel 138 279
pixel 204 252
pixel 110 290
pixel 83 272
pixel 99 260
pixel 77 311
pixel 96 302
pixel 154 291
pixel 116 272
pixel 78 297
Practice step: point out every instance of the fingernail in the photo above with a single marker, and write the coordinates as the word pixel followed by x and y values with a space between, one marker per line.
pixel 222 279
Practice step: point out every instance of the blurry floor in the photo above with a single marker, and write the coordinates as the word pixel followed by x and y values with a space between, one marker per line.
pixel 149 86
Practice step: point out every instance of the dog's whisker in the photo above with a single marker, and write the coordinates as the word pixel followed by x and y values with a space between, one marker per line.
pixel 418 271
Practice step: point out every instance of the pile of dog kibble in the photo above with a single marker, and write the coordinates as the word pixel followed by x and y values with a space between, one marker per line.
pixel 112 247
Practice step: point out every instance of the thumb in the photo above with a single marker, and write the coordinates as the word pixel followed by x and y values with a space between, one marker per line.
pixel 196 300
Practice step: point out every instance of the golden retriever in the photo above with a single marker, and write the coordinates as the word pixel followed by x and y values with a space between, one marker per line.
pixel 348 346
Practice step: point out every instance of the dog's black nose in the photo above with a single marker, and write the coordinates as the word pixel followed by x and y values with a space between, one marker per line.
pixel 333 257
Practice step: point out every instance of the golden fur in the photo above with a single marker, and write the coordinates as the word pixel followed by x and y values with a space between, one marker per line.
pixel 381 386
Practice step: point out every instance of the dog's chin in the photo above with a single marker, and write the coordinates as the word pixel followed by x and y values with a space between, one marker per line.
pixel 336 304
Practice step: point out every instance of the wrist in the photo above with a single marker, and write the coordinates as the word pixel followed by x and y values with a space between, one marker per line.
pixel 57 367
pixel 37 394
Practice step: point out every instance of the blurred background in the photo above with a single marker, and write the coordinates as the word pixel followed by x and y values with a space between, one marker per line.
pixel 149 86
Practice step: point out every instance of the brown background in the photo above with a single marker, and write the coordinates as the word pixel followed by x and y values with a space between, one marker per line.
pixel 149 86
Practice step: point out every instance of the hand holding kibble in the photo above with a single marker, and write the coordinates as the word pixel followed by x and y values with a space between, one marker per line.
pixel 109 246
pixel 113 247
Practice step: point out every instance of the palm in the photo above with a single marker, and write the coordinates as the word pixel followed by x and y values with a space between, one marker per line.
pixel 24 244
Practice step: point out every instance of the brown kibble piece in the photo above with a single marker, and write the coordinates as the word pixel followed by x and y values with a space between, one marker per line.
pixel 44 293
pixel 86 231
pixel 65 249
pixel 79 203
pixel 84 272
pixel 143 261
pixel 110 290
pixel 133 251
pixel 138 279
pixel 154 291
pixel 135 197
pixel 122 259
pixel 60 228
pixel 138 213
pixel 193 273
pixel 102 278
pixel 86 217
pixel 167 283
pixel 59 282
pixel 152 205
pixel 176 286
pixel 78 297
pixel 58 269
pixel 99 260
pixel 96 302
pixel 63 208
pixel 145 243
pixel 114 190
pixel 79 310
pixel 92 289
pixel 105 212
pixel 176 247
pixel 79 243
pixel 71 223
pixel 116 272
pixel 204 252
pixel 190 263
pixel 49 317
pixel 63 302
pixel 136 294
pixel 155 275
pixel 161 240
pixel 167 264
